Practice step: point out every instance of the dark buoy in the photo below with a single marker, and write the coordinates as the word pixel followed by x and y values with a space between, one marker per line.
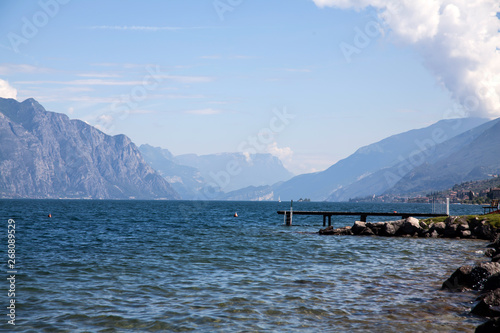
pixel 50 215
pixel 235 214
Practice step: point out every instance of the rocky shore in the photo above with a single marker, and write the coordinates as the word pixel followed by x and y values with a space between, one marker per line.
pixel 483 277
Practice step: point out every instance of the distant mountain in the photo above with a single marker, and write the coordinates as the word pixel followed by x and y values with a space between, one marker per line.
pixel 370 159
pixel 475 160
pixel 233 171
pixel 46 155
pixel 212 176
pixel 186 180
pixel 385 179
pixel 251 193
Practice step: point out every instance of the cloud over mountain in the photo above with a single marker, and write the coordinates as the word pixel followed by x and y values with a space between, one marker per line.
pixel 459 41
pixel 6 91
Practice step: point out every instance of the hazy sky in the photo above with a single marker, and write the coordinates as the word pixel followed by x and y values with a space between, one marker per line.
pixel 309 81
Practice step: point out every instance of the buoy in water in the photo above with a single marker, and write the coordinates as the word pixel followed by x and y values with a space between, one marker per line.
pixel 235 214
pixel 50 215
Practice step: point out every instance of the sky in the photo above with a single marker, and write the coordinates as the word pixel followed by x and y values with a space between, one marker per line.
pixel 307 81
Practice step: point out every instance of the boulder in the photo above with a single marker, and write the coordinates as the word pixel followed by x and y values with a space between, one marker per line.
pixel 471 277
pixel 464 233
pixel 450 220
pixel 451 231
pixel 391 227
pixel 490 253
pixel 484 231
pixel 358 227
pixel 367 232
pixel 491 326
pixel 459 280
pixel 433 234
pixel 410 227
pixel 474 222
pixel 327 231
pixel 377 228
pixel 331 231
pixel 438 227
pixel 462 220
pixel 496 243
pixel 492 283
pixel 489 304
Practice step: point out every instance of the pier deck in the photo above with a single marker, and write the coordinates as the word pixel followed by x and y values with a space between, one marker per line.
pixel 362 215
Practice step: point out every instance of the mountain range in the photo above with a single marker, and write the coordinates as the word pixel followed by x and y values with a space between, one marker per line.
pixel 368 171
pixel 45 154
pixel 211 176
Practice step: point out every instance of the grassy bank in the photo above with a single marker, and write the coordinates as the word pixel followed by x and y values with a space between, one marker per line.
pixel 492 219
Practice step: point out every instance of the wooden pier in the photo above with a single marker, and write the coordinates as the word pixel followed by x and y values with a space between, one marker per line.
pixel 363 215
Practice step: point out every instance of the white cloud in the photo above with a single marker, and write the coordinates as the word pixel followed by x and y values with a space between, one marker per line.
pixel 297 70
pixel 98 75
pixel 7 69
pixel 458 40
pixel 142 28
pixel 187 79
pixel 6 90
pixel 204 112
pixel 284 154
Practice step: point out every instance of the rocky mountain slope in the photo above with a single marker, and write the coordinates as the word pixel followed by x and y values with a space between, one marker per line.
pixel 475 160
pixel 385 179
pixel 46 155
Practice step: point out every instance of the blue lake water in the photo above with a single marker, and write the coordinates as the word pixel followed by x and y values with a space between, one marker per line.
pixel 175 266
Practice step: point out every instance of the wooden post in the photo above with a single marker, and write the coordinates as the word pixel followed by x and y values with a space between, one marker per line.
pixel 329 220
pixel 324 220
pixel 363 217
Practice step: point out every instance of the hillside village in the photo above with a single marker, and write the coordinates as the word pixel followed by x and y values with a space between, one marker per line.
pixel 471 192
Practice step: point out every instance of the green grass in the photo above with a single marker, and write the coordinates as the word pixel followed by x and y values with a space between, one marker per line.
pixel 492 219
pixel 435 219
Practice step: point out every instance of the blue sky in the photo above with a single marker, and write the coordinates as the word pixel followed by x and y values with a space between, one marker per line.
pixel 206 76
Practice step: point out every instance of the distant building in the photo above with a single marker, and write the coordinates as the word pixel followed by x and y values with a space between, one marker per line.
pixel 495 193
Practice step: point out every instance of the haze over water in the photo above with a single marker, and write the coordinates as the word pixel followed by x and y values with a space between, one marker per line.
pixel 146 266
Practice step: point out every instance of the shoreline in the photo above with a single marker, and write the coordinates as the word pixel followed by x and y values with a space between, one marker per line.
pixel 484 277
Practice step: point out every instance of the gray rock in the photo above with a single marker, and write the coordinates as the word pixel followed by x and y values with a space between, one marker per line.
pixel 460 279
pixel 489 304
pixel 377 228
pixel 451 231
pixel 490 253
pixel 439 227
pixel 434 234
pixel 331 231
pixel 491 326
pixel 484 231
pixel 492 283
pixel 358 227
pixel 471 277
pixel 464 234
pixel 410 227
